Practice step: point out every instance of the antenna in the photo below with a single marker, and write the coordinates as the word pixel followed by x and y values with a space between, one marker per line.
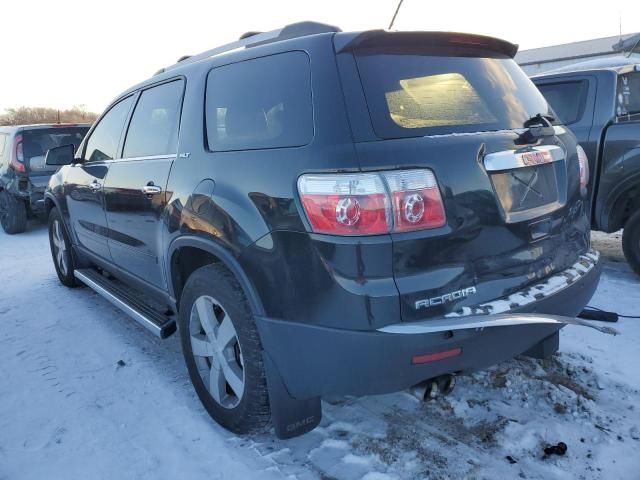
pixel 620 25
pixel 393 19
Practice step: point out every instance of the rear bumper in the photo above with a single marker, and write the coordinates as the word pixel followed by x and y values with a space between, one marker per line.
pixel 30 189
pixel 318 361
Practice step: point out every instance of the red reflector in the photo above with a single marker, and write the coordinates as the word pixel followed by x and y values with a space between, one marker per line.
pixel 433 357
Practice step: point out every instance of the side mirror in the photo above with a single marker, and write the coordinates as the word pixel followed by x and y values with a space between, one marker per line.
pixel 62 155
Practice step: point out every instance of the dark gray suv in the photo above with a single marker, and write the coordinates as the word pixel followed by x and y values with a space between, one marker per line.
pixel 325 213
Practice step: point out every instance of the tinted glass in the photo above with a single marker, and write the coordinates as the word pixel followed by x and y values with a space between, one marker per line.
pixel 415 95
pixel 35 143
pixel 628 101
pixel 154 125
pixel 567 99
pixel 260 103
pixel 103 142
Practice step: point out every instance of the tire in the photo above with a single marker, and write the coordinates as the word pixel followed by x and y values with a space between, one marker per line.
pixel 61 251
pixel 13 213
pixel 212 302
pixel 631 241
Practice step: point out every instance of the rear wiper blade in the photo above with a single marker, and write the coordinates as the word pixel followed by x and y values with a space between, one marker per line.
pixel 537 127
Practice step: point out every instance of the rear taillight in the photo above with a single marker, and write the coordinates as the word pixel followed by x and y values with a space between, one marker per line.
pixel 583 161
pixel 416 200
pixel 372 203
pixel 17 155
pixel 345 204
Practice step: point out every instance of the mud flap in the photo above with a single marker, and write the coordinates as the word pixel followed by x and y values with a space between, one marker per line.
pixel 290 417
pixel 544 348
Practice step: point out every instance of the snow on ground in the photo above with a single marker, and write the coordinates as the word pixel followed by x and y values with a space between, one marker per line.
pixel 86 393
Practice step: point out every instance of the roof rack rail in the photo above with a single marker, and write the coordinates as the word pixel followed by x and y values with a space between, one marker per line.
pixel 252 39
pixel 248 34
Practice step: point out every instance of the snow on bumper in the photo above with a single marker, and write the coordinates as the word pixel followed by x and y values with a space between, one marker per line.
pixel 551 286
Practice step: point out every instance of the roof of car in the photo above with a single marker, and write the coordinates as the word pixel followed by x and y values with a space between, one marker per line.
pixel 37 126
pixel 618 64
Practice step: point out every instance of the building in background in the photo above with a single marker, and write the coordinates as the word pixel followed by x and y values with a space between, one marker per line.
pixel 540 60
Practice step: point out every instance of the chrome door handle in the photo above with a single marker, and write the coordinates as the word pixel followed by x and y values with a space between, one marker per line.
pixel 151 189
pixel 95 186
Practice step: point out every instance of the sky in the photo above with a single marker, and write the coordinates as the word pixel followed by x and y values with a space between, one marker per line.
pixel 66 52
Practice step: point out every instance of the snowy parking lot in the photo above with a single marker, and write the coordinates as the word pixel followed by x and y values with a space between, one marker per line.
pixel 87 393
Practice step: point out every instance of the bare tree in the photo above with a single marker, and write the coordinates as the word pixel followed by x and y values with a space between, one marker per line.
pixel 29 115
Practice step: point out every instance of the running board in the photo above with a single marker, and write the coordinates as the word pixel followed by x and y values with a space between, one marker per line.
pixel 159 324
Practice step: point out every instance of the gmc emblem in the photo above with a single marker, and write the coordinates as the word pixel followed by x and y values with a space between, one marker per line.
pixel 535 158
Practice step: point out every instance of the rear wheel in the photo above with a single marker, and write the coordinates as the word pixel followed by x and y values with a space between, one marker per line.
pixel 222 350
pixel 631 241
pixel 61 250
pixel 13 213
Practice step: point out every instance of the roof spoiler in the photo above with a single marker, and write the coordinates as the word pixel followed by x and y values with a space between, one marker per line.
pixel 384 38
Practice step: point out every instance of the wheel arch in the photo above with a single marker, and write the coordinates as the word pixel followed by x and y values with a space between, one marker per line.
pixel 622 206
pixel 50 202
pixel 203 252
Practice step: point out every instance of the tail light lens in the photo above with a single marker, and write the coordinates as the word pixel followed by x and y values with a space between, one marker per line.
pixel 583 161
pixel 416 200
pixel 345 204
pixel 17 155
pixel 372 203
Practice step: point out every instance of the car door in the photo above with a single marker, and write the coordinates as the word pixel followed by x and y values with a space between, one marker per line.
pixel 85 179
pixel 135 196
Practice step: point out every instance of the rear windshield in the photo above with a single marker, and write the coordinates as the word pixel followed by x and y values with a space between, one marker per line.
pixel 414 95
pixel 35 143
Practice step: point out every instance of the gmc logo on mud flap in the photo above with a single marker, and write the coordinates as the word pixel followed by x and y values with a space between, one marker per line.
pixel 301 423
pixel 446 298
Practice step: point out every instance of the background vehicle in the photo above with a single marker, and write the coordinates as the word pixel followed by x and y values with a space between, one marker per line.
pixel 330 213
pixel 23 173
pixel 600 102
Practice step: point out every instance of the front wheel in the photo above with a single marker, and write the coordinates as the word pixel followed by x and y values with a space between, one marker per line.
pixel 61 250
pixel 631 241
pixel 222 350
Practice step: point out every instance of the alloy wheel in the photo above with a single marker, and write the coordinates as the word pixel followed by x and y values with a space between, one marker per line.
pixel 60 248
pixel 216 349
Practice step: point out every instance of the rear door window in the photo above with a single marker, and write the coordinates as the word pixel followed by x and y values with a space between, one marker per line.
pixel 260 103
pixel 155 122
pixel 105 138
pixel 413 94
pixel 567 99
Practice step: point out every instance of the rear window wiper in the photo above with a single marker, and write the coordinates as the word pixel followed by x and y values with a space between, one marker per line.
pixel 537 127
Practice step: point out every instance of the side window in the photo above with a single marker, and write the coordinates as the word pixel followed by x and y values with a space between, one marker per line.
pixel 260 103
pixel 154 125
pixel 567 99
pixel 103 142
pixel 3 141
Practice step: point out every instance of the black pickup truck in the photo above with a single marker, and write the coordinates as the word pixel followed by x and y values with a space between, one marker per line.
pixel 600 102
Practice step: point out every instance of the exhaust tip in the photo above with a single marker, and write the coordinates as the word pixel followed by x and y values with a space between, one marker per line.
pixel 435 387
